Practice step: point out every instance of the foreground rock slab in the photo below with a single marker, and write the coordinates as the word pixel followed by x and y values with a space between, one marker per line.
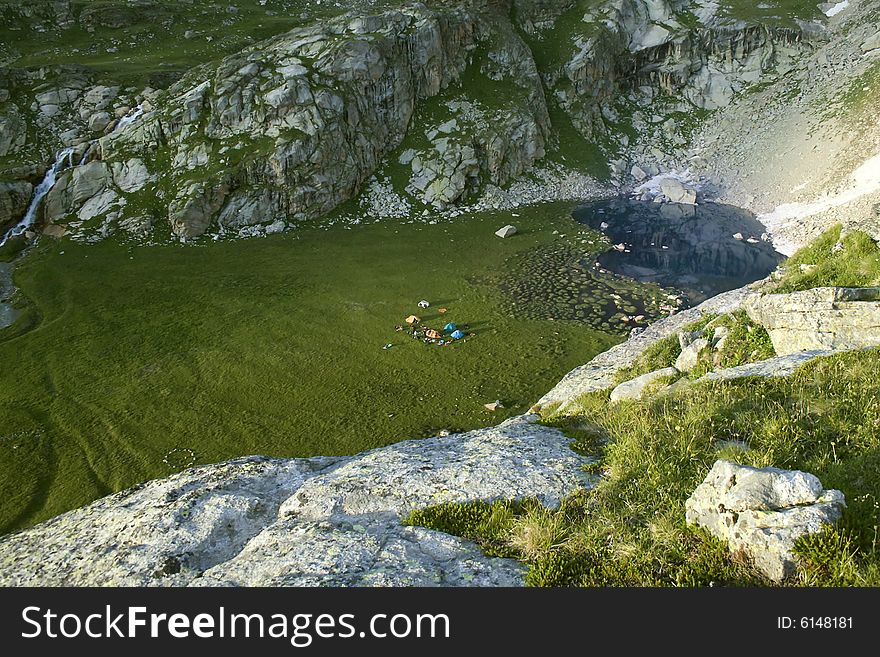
pixel 324 521
pixel 763 512
pixel 821 318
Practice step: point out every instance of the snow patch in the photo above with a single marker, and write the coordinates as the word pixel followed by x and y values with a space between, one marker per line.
pixel 864 180
pixel 836 9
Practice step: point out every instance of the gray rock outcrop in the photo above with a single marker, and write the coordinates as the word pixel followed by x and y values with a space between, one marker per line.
pixel 599 373
pixel 763 512
pixel 778 366
pixel 14 199
pixel 824 318
pixel 320 521
pixel 642 386
pixel 292 127
pixel 74 189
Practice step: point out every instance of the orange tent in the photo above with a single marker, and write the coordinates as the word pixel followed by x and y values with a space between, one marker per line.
pixel 434 335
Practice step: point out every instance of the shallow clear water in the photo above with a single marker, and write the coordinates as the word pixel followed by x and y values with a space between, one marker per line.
pixel 689 248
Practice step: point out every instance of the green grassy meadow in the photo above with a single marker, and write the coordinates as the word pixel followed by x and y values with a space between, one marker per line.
pixel 144 43
pixel 135 361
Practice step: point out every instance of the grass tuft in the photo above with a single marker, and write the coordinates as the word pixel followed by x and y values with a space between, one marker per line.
pixel 849 260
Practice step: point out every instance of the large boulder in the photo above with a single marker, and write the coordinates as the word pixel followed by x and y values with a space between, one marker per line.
pixel 824 318
pixel 14 200
pixel 74 188
pixel 130 176
pixel 763 512
pixel 677 192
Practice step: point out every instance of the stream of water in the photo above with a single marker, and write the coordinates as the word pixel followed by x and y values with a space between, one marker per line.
pixel 64 159
pixel 65 156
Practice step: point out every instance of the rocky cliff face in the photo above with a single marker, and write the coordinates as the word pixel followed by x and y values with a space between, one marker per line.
pixel 447 100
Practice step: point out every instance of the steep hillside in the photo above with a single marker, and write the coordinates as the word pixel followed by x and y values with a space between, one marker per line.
pixel 446 103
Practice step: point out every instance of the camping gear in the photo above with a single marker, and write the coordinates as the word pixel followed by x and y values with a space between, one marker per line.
pixel 443 311
pixel 433 335
pixel 494 406
pixel 388 346
pixel 412 319
pixel 423 304
pixel 450 327
pixel 457 335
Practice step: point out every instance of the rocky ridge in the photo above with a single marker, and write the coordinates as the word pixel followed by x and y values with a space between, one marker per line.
pixel 453 101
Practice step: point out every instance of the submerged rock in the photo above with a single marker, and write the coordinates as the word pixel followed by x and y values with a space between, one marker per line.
pixel 763 512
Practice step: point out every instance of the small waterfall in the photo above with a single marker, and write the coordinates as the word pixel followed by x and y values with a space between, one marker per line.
pixel 129 118
pixel 64 156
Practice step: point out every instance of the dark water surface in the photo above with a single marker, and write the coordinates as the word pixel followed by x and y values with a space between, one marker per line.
pixel 685 247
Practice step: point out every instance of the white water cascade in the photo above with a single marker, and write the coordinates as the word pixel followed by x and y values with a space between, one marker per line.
pixel 129 118
pixel 64 156
pixel 48 182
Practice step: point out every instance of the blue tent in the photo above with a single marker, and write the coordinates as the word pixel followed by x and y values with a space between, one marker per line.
pixel 450 327
pixel 457 335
